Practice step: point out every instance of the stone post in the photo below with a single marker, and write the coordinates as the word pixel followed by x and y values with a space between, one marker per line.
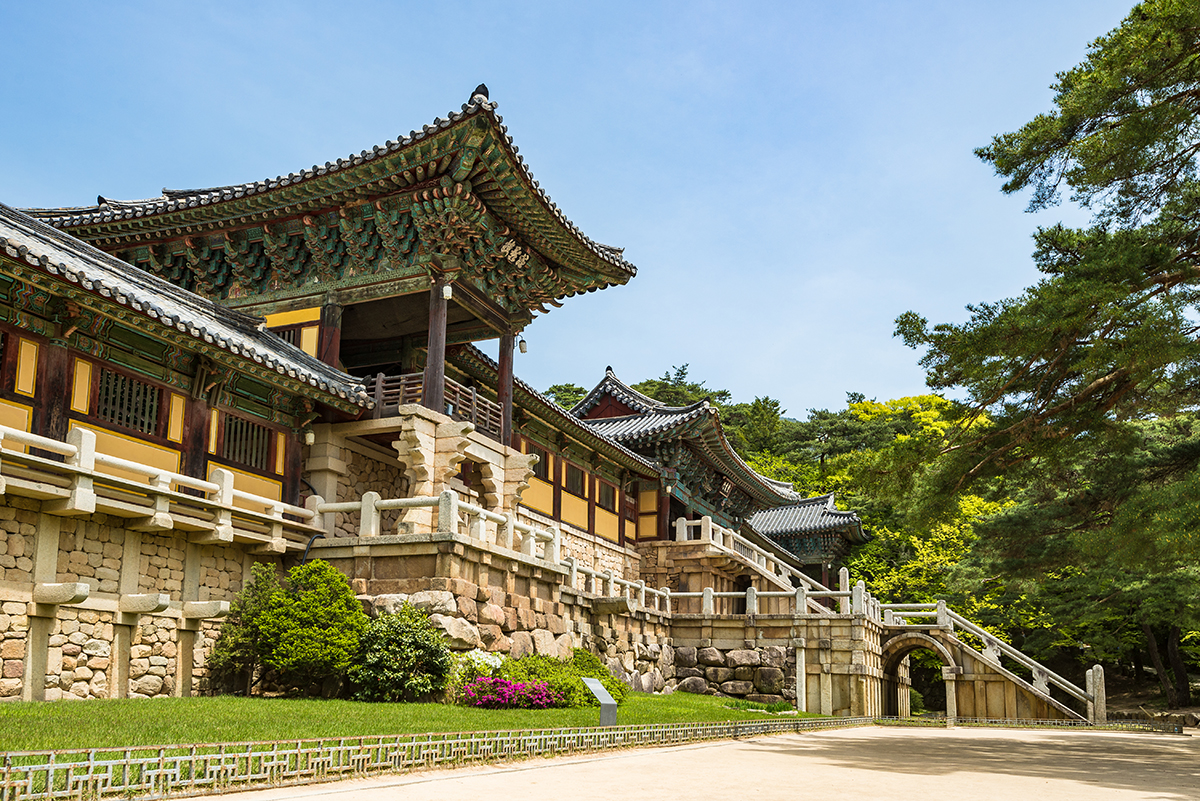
pixel 751 601
pixel 844 586
pixel 448 512
pixel 1090 687
pixel 949 675
pixel 801 600
pixel 706 602
pixel 857 598
pixel 801 676
pixel 1100 694
pixel 324 466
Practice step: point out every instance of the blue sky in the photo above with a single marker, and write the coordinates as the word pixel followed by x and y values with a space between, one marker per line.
pixel 788 177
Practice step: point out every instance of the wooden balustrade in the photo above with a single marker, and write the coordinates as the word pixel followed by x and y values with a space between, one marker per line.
pixel 461 403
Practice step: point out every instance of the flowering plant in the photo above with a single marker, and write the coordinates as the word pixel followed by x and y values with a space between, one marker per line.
pixel 492 693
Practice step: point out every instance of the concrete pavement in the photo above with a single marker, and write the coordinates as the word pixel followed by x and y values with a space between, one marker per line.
pixel 839 765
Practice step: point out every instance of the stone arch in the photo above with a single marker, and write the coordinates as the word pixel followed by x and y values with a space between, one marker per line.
pixel 895 650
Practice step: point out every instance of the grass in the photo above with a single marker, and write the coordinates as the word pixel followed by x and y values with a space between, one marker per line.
pixel 172 721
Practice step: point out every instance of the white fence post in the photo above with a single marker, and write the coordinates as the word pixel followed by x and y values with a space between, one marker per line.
pixel 751 601
pixel 368 518
pixel 572 571
pixel 801 600
pixel 943 615
pixel 666 591
pixel 448 512
pixel 857 598
pixel 641 596
pixel 706 601
pixel 844 586
pixel 224 496
pixel 83 497
pixel 706 529
pixel 554 545
pixel 508 530
pixel 681 529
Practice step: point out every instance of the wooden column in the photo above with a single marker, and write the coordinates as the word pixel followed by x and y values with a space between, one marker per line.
pixel 51 414
pixel 329 343
pixel 433 391
pixel 504 388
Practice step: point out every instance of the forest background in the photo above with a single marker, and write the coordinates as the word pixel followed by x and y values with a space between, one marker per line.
pixel 1049 485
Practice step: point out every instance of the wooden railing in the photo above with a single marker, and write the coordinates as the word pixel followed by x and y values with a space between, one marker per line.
pixel 462 403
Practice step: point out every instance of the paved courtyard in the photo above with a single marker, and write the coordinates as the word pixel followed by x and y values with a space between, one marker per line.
pixel 840 765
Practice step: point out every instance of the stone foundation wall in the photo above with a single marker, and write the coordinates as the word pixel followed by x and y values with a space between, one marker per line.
pixel 764 674
pixel 14 625
pixel 17 530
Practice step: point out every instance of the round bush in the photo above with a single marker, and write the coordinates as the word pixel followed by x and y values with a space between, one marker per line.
pixel 402 657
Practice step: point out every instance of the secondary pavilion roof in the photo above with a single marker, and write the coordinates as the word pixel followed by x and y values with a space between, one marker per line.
pixel 455 196
pixel 674 434
pixel 813 530
pixel 66 267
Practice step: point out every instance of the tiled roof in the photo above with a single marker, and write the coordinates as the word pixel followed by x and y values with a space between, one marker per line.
pixel 700 421
pixel 34 242
pixel 108 210
pixel 610 385
pixel 810 516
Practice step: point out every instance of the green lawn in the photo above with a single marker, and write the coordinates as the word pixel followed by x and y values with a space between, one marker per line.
pixel 170 721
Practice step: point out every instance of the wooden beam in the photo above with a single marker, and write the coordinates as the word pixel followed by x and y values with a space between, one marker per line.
pixel 433 393
pixel 504 388
pixel 329 345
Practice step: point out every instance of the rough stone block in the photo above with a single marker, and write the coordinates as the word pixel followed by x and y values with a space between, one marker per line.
pixel 467 609
pixel 716 675
pixel 769 680
pixel 12 649
pixel 742 658
pixel 774 656
pixel 522 644
pixel 761 698
pixel 687 672
pixel 97 648
pixel 737 687
pixel 685 656
pixel 710 656
pixel 744 673
pixel 543 642
pixel 434 602
pixel 491 615
pixel 460 635
pixel 146 685
pixel 693 684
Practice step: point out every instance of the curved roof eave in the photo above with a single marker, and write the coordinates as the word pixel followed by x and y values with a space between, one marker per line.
pixel 234 201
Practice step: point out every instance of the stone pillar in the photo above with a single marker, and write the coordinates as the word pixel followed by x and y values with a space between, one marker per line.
pixel 949 675
pixel 1100 695
pixel 41 616
pixel 801 676
pixel 325 466
pixel 433 390
pixel 123 626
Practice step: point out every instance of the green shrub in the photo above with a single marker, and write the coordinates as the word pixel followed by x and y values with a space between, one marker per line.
pixel 564 678
pixel 777 706
pixel 303 631
pixel 402 657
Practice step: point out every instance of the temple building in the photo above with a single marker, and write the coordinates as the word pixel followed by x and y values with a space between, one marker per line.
pixel 286 369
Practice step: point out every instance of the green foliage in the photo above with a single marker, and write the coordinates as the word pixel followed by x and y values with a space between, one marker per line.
pixel 777 706
pixel 916 701
pixel 241 647
pixel 304 630
pixel 402 657
pixel 564 677
pixel 468 666
pixel 566 395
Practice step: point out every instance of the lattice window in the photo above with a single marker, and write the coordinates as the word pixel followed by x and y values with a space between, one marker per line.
pixel 575 481
pixel 128 402
pixel 607 497
pixel 247 443
pixel 289 335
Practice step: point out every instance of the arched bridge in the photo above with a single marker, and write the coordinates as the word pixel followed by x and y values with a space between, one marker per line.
pixel 978 684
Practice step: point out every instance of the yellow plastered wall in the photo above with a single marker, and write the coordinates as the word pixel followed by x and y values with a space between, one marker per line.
pixel 539 496
pixel 14 415
pixel 248 482
pixel 281 319
pixel 308 339
pixel 27 361
pixel 608 525
pixel 175 420
pixel 81 387
pixel 574 511
pixel 647 527
pixel 630 530
pixel 133 450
